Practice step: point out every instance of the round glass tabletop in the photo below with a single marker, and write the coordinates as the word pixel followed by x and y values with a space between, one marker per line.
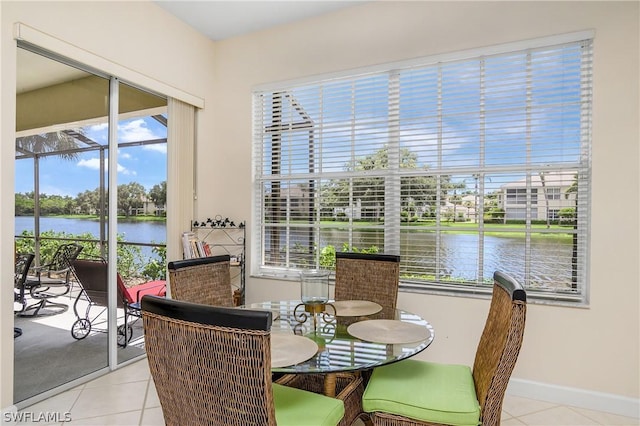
pixel 337 349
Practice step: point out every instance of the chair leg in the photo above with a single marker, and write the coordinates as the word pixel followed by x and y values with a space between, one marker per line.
pixel 43 304
pixel 126 327
pixel 365 418
pixel 125 331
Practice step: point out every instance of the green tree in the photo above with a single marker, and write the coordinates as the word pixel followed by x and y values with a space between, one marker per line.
pixel 155 269
pixel 491 200
pixel 567 214
pixel 158 194
pixel 54 204
pixel 130 196
pixel 455 198
pixel 24 204
pixel 89 201
pixel 573 188
pixel 415 192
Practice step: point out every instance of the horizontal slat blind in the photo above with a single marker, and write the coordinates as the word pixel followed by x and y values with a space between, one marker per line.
pixel 461 167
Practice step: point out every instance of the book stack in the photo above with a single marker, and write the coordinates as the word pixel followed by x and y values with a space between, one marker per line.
pixel 192 247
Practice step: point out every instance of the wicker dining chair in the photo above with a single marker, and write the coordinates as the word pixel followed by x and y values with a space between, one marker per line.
pixel 413 392
pixel 368 276
pixel 359 276
pixel 212 366
pixel 205 280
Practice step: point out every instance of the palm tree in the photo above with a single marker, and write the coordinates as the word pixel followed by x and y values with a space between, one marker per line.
pixel 574 257
pixel 59 141
pixel 546 199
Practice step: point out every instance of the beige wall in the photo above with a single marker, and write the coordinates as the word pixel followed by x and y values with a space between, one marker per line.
pixel 137 35
pixel 595 349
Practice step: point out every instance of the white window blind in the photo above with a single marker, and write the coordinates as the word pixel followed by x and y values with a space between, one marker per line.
pixel 462 167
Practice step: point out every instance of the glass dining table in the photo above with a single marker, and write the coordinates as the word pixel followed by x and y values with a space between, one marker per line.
pixel 344 336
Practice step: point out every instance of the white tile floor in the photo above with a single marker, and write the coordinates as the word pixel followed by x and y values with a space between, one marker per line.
pixel 128 397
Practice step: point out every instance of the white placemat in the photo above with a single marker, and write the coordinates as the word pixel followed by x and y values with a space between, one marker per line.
pixel 290 349
pixel 388 331
pixel 355 308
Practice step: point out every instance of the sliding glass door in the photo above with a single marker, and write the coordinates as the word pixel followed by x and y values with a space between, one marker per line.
pixel 141 206
pixel 70 122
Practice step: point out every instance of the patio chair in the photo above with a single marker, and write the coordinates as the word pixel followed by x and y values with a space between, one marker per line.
pixel 92 276
pixel 205 280
pixel 23 263
pixel 51 280
pixel 212 366
pixel 131 299
pixel 413 392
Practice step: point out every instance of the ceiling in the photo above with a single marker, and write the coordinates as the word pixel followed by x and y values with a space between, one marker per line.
pixel 219 20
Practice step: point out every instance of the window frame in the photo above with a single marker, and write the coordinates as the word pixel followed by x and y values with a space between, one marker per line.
pixel 536 197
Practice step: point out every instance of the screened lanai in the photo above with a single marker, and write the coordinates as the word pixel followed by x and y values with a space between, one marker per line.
pixel 68 118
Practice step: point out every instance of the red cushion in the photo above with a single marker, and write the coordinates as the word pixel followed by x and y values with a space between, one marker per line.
pixel 156 288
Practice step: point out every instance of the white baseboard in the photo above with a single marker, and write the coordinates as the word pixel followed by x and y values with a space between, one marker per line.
pixel 599 401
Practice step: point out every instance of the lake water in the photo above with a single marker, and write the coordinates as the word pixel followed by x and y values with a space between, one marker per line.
pixel 132 231
pixel 456 254
pixel 452 255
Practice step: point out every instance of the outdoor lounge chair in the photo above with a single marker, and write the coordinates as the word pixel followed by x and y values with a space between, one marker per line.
pixel 131 299
pixel 92 276
pixel 50 280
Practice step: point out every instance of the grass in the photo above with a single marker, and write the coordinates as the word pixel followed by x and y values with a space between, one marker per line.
pixel 507 230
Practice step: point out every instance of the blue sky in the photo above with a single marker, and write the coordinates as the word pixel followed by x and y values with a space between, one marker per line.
pixel 143 164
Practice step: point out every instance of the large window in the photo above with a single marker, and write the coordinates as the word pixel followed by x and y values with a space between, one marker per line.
pixel 462 165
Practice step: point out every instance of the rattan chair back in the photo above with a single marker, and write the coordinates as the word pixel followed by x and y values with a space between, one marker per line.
pixel 499 346
pixel 210 365
pixel 372 277
pixel 205 280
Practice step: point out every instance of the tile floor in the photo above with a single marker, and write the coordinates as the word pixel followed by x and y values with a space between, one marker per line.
pixel 127 397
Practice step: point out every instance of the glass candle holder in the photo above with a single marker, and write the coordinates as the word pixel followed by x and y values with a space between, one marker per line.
pixel 314 286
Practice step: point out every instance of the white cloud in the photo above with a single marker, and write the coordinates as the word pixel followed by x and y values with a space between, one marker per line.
pixel 135 130
pixel 94 164
pixel 99 127
pixel 157 147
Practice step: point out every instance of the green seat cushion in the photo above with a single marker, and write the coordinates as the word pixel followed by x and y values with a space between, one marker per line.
pixel 297 407
pixel 437 393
